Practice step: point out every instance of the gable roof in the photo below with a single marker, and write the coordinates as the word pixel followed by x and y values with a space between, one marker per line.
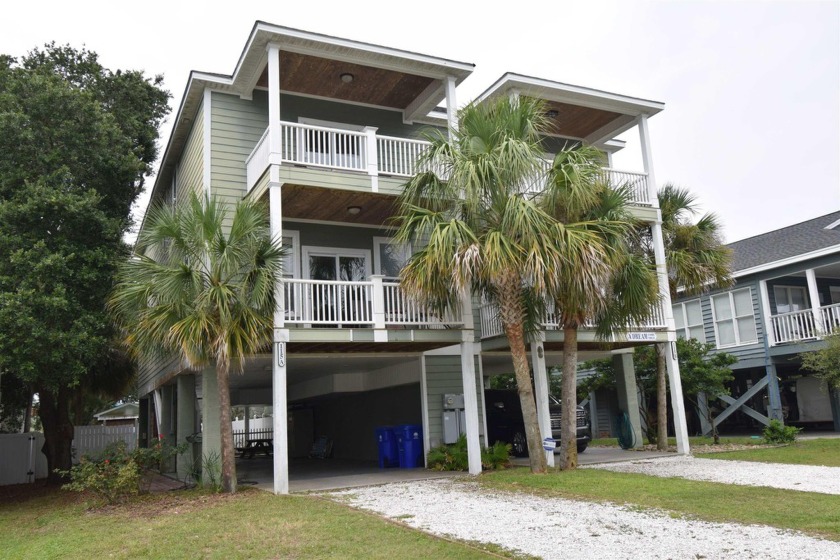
pixel 785 245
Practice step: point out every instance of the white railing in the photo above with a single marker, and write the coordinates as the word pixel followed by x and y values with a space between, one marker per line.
pixel 403 310
pixel 328 302
pixel 830 317
pixel 319 146
pixel 362 304
pixel 491 325
pixel 793 326
pixel 257 161
pixel 349 150
pixel 636 182
pixel 398 156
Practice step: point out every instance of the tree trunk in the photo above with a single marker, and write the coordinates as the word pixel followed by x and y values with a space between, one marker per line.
pixel 510 310
pixel 58 432
pixel 226 428
pixel 568 394
pixel 661 399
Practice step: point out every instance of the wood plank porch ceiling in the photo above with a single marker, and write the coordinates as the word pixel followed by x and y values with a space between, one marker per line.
pixel 313 75
pixel 577 121
pixel 316 203
pixel 295 348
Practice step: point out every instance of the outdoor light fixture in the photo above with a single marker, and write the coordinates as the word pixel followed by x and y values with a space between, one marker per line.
pixel 353 210
pixel 347 77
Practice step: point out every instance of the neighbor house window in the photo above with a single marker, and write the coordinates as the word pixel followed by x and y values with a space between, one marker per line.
pixel 734 318
pixel 790 299
pixel 689 319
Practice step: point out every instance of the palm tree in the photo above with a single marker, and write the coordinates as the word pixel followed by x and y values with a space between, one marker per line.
pixel 478 229
pixel 602 281
pixel 202 288
pixel 696 260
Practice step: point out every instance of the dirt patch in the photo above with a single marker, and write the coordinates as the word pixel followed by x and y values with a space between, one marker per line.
pixel 169 503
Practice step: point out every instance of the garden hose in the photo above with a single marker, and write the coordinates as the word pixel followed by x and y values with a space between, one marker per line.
pixel 624 429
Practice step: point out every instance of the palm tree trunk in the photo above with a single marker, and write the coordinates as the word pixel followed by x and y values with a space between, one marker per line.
pixel 568 393
pixel 510 310
pixel 225 427
pixel 661 399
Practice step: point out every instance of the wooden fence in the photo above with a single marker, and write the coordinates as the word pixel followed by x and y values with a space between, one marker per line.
pixel 91 440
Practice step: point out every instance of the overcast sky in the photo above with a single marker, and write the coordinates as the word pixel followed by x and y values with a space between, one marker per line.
pixel 751 89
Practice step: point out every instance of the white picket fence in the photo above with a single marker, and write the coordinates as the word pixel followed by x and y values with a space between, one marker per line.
pixel 21 460
pixel 91 440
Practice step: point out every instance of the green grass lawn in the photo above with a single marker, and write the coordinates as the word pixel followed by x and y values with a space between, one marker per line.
pixel 825 452
pixel 692 441
pixel 190 524
pixel 817 514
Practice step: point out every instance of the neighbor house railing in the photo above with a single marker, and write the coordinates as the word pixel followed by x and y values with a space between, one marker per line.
pixel 366 152
pixel 491 325
pixel 793 326
pixel 359 304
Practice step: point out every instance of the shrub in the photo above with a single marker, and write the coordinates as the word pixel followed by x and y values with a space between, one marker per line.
pixel 113 477
pixel 116 474
pixel 454 457
pixel 778 433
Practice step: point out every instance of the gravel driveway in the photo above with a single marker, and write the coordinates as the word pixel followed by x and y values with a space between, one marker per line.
pixel 559 528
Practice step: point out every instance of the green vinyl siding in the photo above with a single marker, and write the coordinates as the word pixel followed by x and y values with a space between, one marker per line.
pixel 190 171
pixel 236 127
pixel 443 376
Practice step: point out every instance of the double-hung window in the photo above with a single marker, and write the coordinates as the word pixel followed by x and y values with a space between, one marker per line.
pixel 688 317
pixel 734 318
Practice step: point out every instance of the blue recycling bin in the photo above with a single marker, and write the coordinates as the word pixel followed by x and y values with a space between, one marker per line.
pixel 387 442
pixel 410 445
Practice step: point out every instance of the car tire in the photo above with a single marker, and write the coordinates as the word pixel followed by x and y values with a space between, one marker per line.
pixel 581 447
pixel 519 445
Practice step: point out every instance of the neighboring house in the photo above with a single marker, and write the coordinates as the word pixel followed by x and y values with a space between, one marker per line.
pixel 327 130
pixel 785 299
pixel 125 414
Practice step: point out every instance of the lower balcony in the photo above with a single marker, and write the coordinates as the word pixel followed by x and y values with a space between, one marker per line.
pixel 372 304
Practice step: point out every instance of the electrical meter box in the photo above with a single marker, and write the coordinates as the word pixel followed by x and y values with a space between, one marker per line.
pixel 452 401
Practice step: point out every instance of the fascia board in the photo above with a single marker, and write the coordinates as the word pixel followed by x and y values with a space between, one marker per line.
pixel 788 261
pixel 578 95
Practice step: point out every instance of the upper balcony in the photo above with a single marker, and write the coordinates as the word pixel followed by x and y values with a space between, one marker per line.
pixel 373 155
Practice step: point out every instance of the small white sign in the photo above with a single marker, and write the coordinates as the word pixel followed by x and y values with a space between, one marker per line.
pixel 641 336
pixel 281 354
pixel 549 444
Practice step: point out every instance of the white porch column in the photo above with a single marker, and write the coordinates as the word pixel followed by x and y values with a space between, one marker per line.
pixel 274 136
pixel 470 388
pixel 379 334
pixel 814 296
pixel 541 390
pixel 628 392
pixel 372 156
pixel 677 404
pixel 451 104
pixel 280 422
pixel 765 312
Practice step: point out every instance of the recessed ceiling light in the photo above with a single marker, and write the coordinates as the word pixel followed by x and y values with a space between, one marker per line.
pixel 347 77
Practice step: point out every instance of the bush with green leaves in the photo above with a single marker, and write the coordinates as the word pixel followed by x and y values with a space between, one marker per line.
pixel 117 474
pixel 113 476
pixel 778 433
pixel 454 457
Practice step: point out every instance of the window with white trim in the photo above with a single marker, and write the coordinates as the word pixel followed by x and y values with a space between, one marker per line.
pixel 389 257
pixel 734 318
pixel 790 299
pixel 688 317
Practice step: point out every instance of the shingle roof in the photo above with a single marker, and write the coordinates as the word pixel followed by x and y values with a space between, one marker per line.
pixel 786 242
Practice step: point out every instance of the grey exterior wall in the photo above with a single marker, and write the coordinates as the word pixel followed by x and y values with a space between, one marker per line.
pixel 350 420
pixel 443 376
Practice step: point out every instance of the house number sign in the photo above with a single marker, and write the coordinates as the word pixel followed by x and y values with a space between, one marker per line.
pixel 281 354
